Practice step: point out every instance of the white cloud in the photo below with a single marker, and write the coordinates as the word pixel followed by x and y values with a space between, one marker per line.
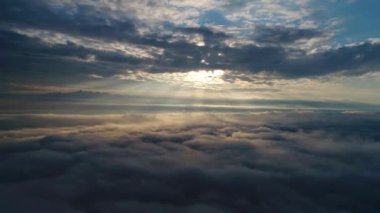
pixel 127 49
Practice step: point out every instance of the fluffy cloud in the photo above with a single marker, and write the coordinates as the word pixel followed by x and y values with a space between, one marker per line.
pixel 265 162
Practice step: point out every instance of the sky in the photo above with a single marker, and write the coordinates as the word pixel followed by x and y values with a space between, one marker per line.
pixel 189 106
pixel 304 50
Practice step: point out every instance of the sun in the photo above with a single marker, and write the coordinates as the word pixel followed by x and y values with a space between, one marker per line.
pixel 200 79
pixel 204 77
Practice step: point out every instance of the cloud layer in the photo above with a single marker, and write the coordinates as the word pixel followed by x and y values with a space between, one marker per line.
pixel 57 39
pixel 196 162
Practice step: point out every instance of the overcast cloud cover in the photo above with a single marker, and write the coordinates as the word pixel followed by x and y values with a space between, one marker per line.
pixel 196 162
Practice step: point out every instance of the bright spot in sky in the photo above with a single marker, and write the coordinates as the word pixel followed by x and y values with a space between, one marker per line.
pixel 204 76
pixel 202 79
pixel 200 43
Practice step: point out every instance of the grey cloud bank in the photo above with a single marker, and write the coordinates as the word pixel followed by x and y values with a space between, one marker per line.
pixel 262 162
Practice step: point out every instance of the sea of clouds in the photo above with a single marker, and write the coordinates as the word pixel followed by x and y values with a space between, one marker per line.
pixel 296 161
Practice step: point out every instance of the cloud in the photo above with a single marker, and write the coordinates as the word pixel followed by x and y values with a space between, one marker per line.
pixel 263 162
pixel 81 39
pixel 78 19
pixel 55 61
pixel 283 35
pixel 355 59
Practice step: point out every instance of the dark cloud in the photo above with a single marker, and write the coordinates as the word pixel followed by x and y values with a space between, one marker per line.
pixel 357 59
pixel 284 35
pixel 59 61
pixel 23 58
pixel 289 162
pixel 78 19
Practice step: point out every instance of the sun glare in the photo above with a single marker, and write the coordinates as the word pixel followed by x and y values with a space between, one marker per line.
pixel 204 76
pixel 202 79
